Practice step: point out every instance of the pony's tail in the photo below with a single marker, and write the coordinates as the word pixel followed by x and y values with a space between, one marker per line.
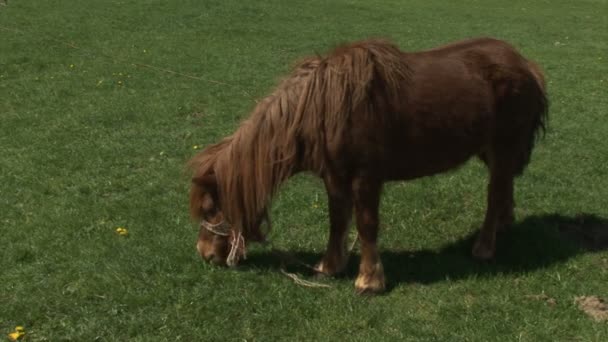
pixel 538 110
pixel 543 102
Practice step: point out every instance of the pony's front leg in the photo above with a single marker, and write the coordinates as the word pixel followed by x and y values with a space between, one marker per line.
pixel 340 212
pixel 367 200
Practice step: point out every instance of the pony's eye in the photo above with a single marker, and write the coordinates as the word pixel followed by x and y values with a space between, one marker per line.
pixel 207 203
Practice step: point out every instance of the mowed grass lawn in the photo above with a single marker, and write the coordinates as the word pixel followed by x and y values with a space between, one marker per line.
pixel 102 103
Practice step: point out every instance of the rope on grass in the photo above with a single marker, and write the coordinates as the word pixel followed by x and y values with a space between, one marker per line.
pixel 303 282
pixel 296 279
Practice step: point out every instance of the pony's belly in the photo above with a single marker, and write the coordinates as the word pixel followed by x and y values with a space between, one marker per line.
pixel 428 159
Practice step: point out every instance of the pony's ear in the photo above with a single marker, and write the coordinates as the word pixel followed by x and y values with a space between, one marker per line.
pixel 203 195
pixel 208 182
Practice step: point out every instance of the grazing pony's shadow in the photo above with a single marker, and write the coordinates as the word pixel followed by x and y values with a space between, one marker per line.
pixel 531 244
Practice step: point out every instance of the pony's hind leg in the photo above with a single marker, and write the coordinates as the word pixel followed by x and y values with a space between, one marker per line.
pixel 340 212
pixel 506 216
pixel 499 211
pixel 371 272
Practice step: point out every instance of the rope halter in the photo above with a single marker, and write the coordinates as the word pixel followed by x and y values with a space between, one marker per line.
pixel 237 241
pixel 222 229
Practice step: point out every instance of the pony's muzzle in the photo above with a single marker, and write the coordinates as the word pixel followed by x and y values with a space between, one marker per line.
pixel 215 260
pixel 210 256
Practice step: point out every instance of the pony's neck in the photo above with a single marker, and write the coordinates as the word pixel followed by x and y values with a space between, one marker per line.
pixel 262 155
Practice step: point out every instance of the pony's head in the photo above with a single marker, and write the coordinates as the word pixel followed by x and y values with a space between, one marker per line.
pixel 214 235
pixel 219 240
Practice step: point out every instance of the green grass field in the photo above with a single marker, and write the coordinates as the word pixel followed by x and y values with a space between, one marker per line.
pixel 102 103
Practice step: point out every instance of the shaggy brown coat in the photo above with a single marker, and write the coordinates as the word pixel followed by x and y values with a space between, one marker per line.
pixel 368 113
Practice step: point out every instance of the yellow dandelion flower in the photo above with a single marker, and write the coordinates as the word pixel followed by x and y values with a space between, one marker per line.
pixel 122 231
pixel 195 147
pixel 17 334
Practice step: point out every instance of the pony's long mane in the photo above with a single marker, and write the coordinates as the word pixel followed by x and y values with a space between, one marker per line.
pixel 288 130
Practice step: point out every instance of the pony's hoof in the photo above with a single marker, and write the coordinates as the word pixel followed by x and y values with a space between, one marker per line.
pixel 369 286
pixel 325 269
pixel 371 283
pixel 322 272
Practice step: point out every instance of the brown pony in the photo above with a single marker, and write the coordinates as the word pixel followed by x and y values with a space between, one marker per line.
pixel 365 114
